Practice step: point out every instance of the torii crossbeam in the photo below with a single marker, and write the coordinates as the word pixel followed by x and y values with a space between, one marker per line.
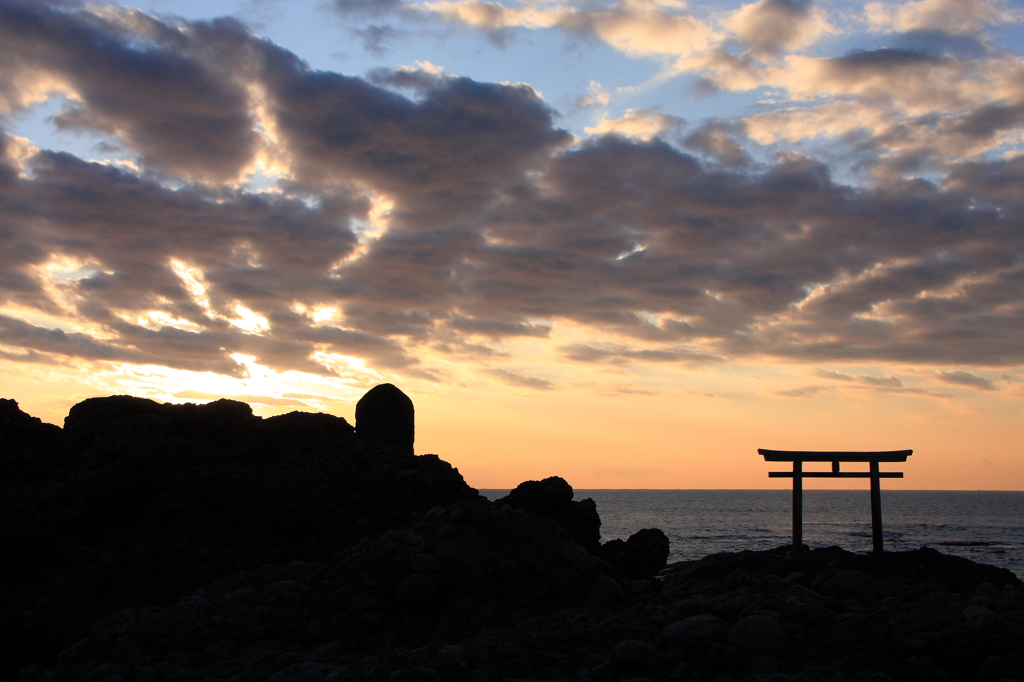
pixel 798 457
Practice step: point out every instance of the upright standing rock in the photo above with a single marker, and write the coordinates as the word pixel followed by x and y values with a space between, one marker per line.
pixel 386 414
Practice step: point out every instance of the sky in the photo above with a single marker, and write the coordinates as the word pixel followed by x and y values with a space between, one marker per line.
pixel 627 242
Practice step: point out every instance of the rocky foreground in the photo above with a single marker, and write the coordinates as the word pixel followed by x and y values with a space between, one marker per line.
pixel 154 543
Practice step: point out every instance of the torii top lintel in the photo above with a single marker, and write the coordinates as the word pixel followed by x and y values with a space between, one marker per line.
pixel 839 456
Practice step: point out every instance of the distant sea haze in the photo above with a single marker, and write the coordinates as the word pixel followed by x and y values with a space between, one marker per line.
pixel 984 526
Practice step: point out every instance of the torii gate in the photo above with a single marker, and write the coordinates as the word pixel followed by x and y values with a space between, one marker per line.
pixel 798 457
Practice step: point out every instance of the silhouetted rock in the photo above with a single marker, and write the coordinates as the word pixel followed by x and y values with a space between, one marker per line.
pixel 386 414
pixel 695 631
pixel 606 594
pixel 551 498
pixel 757 635
pixel 642 555
pixel 543 498
pixel 18 429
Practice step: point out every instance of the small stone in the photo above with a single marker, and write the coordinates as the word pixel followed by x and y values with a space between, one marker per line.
pixel 686 608
pixel 903 623
pixel 936 612
pixel 985 590
pixel 694 630
pixel 990 668
pixel 631 654
pixel 418 588
pixel 325 650
pixel 297 672
pixel 845 585
pixel 424 563
pixel 855 578
pixel 641 587
pixel 147 675
pixel 763 665
pixel 915 645
pixel 605 595
pixel 736 579
pixel 972 612
pixel 804 594
pixel 758 635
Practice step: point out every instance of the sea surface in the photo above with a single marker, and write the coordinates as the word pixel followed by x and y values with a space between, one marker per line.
pixel 984 526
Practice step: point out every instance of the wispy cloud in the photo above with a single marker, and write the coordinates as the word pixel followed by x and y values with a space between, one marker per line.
pixel 889 381
pixel 963 378
pixel 516 378
pixel 802 392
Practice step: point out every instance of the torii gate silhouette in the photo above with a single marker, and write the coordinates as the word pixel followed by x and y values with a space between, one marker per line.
pixel 798 457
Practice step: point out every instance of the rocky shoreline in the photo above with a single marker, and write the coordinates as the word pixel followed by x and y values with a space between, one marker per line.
pixel 207 544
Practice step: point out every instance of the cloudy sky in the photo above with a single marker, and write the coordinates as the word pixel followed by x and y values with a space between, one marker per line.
pixel 623 241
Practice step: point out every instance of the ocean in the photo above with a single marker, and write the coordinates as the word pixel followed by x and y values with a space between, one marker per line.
pixel 984 526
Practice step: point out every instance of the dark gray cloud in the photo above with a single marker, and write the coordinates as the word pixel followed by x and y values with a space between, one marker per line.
pixel 962 378
pixel 496 329
pixel 34 338
pixel 717 140
pixel 617 354
pixel 985 121
pixel 859 63
pixel 170 106
pixel 499 225
pixel 370 8
pixel 941 42
pixel 376 38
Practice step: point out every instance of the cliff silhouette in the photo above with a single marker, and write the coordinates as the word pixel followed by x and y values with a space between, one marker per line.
pixel 149 542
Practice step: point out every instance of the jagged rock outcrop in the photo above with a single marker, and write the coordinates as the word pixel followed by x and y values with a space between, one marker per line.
pixel 19 430
pixel 551 498
pixel 385 414
pixel 642 555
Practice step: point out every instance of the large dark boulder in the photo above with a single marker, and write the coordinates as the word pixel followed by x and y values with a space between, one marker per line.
pixel 552 498
pixel 642 555
pixel 386 414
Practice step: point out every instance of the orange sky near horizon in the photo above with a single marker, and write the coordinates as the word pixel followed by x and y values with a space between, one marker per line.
pixel 705 436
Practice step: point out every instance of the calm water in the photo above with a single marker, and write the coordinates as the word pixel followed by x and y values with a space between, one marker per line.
pixel 702 522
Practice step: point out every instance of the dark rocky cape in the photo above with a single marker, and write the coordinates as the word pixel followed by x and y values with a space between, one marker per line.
pixel 147 542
